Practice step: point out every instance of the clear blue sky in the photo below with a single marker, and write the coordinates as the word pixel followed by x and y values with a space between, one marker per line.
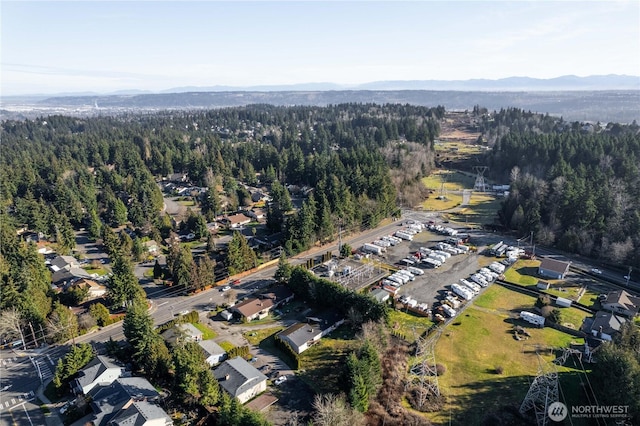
pixel 52 47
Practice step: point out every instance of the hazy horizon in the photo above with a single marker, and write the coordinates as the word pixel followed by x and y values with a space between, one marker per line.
pixel 105 47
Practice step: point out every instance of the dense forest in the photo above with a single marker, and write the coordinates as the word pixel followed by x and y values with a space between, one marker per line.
pixel 575 186
pixel 59 174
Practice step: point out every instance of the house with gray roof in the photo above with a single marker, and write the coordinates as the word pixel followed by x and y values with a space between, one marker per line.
pixel 622 303
pixel 100 371
pixel 63 262
pixel 605 325
pixel 213 353
pixel 302 336
pixel 141 414
pixel 108 401
pixel 182 332
pixel 554 269
pixel 240 379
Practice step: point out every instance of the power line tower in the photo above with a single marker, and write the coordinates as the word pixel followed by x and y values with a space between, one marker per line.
pixel 423 375
pixel 544 388
pixel 480 184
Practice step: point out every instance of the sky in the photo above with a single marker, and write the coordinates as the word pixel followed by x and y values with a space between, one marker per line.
pixel 50 47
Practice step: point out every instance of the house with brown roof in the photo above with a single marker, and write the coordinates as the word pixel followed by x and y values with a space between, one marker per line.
pixel 95 290
pixel 253 308
pixel 622 303
pixel 554 269
pixel 279 294
pixel 236 220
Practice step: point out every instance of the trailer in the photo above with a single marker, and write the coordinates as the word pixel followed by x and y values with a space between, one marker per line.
pixel 440 258
pixel 407 261
pixel 455 303
pixel 433 263
pixel 463 292
pixel 404 236
pixel 389 240
pixel 381 243
pixel 497 267
pixel 449 311
pixel 465 249
pixel 415 271
pixel 532 318
pixel 372 248
pixel 443 253
pixel 396 279
pixel 401 277
pixel 406 274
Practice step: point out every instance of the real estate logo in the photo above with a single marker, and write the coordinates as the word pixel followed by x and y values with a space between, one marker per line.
pixel 557 411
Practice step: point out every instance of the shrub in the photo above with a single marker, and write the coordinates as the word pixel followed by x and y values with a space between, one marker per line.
pixel 499 369
pixel 440 370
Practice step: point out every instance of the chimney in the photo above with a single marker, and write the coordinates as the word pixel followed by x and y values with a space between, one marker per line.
pixel 227 377
pixel 600 331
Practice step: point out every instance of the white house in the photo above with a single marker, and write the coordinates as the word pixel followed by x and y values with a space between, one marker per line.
pixel 213 353
pixel 100 371
pixel 302 336
pixel 622 303
pixel 240 379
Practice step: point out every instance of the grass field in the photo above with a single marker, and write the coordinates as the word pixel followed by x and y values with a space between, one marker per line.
pixel 482 209
pixel 589 297
pixel 450 201
pixel 256 336
pixel 406 322
pixel 482 341
pixel 323 362
pixel 227 346
pixel 453 181
pixel 207 333
pixel 523 272
pixel 570 293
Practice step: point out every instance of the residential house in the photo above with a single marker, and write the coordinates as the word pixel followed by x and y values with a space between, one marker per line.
pixel 178 177
pixel 256 214
pixel 100 371
pixel 109 402
pixel 63 278
pixel 152 247
pixel 302 336
pixel 253 308
pixel 236 220
pixel 213 353
pixel 63 263
pixel 279 295
pixel 240 379
pixel 622 303
pixel 186 331
pixel 554 269
pixel 141 414
pixel 95 290
pixel 605 325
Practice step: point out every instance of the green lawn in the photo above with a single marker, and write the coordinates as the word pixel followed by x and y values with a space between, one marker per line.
pixel 405 323
pixel 227 346
pixel 482 209
pixel 207 333
pixel 323 363
pixel 589 297
pixel 501 299
pixel 450 201
pixel 99 271
pixel 453 181
pixel 480 342
pixel 256 336
pixel 523 272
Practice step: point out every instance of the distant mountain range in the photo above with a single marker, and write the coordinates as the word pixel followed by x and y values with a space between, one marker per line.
pixel 564 83
pixel 510 84
pixel 595 98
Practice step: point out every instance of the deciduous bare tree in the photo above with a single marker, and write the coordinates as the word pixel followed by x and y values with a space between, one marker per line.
pixel 11 323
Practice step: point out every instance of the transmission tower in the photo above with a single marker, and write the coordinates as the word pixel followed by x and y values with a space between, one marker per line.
pixel 480 184
pixel 544 388
pixel 423 374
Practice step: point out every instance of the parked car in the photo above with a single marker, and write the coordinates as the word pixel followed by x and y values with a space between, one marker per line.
pixel 280 380
pixel 225 288
pixel 596 271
